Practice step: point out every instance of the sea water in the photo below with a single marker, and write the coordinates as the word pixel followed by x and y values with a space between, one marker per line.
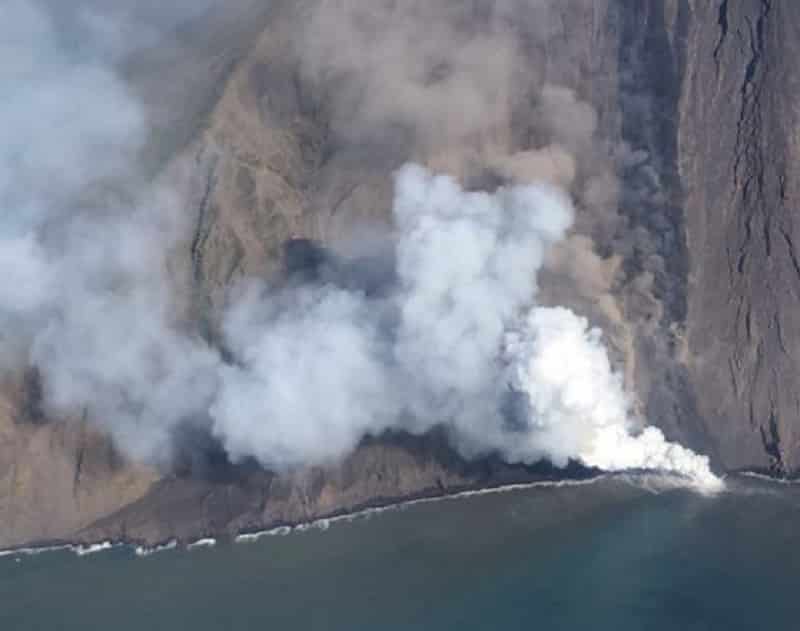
pixel 617 554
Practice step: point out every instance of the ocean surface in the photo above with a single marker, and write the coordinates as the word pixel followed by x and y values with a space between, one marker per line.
pixel 615 554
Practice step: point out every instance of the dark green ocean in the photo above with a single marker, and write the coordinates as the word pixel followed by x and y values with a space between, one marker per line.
pixel 612 555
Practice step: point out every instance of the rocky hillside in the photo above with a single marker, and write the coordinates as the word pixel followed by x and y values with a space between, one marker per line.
pixel 679 141
pixel 738 145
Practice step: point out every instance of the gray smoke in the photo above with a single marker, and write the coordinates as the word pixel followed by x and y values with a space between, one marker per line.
pixel 311 368
pixel 322 366
pixel 84 243
pixel 459 343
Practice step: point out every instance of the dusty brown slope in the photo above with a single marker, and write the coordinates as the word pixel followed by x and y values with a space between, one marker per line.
pixel 692 264
pixel 56 478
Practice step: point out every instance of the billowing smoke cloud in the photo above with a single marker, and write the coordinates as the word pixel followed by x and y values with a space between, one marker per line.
pixel 322 367
pixel 312 380
pixel 459 342
pixel 456 339
pixel 467 264
pixel 576 404
pixel 395 70
pixel 84 244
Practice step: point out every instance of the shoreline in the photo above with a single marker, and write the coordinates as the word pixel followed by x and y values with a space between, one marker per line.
pixel 323 523
pixel 764 477
pixel 142 549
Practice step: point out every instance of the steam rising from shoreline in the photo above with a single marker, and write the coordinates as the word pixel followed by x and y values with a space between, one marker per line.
pixel 577 405
pixel 327 365
pixel 456 340
pixel 323 366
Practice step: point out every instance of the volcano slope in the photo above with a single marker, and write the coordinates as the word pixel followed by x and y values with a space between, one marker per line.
pixel 672 124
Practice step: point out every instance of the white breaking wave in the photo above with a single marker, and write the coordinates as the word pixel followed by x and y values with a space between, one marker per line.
pixel 16 552
pixel 94 548
pixel 80 550
pixel 208 542
pixel 766 478
pixel 146 551
pixel 252 537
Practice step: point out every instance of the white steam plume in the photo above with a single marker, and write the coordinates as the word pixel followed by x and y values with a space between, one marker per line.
pixel 321 366
pixel 312 379
pixel 467 262
pixel 84 244
pixel 457 340
pixel 321 369
pixel 577 406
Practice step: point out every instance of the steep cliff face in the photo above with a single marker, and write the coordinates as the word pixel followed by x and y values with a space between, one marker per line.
pixel 684 245
pixel 56 478
pixel 738 147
